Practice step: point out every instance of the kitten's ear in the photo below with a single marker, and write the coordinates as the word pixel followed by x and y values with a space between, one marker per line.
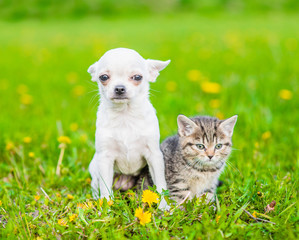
pixel 92 71
pixel 227 125
pixel 185 126
pixel 155 66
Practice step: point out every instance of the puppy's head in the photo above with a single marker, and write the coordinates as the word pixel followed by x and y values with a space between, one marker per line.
pixel 123 75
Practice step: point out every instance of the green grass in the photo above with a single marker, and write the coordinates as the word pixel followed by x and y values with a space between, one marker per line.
pixel 44 63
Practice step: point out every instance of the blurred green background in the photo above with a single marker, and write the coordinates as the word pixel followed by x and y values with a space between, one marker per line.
pixel 20 9
pixel 227 57
pixel 249 49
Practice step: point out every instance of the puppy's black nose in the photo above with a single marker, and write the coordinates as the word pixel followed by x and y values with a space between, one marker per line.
pixel 120 89
pixel 210 157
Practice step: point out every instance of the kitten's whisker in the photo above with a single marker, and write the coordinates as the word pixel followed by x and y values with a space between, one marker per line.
pixel 236 149
pixel 228 164
pixel 235 168
pixel 196 162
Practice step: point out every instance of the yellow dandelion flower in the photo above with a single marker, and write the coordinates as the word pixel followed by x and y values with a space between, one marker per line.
pixel 72 77
pixel 285 94
pixel 266 135
pixel 81 205
pixel 26 99
pixel 194 75
pixel 215 103
pixel 220 115
pixel 22 89
pixel 149 197
pixel 232 40
pixel 58 195
pixel 78 91
pixel 83 137
pixel 260 194
pixel 138 212
pixel 254 214
pixel 37 197
pixel 27 139
pixel 74 127
pixel 73 217
pixel 88 180
pixel 210 87
pixel 64 139
pixel 89 205
pixel 31 155
pixel 144 217
pixel 110 202
pixel 218 218
pixel 9 146
pixel 38 238
pixel 62 222
pixel 0 203
pixel 100 202
pixel 69 196
pixel 199 107
pixel 171 86
pixel 131 194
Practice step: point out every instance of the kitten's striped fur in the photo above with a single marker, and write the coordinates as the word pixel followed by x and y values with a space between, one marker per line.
pixel 189 169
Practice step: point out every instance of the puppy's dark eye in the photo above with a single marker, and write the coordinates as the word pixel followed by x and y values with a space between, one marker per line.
pixel 200 146
pixel 137 77
pixel 104 77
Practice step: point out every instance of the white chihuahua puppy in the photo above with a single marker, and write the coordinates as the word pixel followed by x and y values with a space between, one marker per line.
pixel 127 129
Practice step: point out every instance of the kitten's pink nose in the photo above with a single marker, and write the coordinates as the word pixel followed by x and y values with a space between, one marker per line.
pixel 210 157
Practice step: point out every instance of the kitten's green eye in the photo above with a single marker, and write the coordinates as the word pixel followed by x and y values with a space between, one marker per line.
pixel 218 146
pixel 200 146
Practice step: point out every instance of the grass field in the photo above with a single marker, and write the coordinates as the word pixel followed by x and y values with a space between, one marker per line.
pixel 221 65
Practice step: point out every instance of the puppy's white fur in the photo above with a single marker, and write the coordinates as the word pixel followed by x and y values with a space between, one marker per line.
pixel 127 130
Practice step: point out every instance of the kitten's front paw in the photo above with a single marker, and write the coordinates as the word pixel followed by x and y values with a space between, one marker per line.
pixel 213 207
pixel 208 197
pixel 163 205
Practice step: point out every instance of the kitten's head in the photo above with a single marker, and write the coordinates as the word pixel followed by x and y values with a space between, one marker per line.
pixel 205 141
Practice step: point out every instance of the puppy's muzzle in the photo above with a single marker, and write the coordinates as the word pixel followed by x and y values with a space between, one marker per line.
pixel 120 93
pixel 120 90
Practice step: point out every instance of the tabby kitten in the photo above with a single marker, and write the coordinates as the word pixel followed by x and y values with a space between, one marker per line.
pixel 195 158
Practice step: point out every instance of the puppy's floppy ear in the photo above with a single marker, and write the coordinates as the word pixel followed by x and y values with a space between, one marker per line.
pixel 185 126
pixel 92 71
pixel 227 125
pixel 154 67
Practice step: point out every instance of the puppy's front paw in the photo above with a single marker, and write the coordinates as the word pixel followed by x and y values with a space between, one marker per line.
pixel 108 197
pixel 163 205
pixel 95 194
